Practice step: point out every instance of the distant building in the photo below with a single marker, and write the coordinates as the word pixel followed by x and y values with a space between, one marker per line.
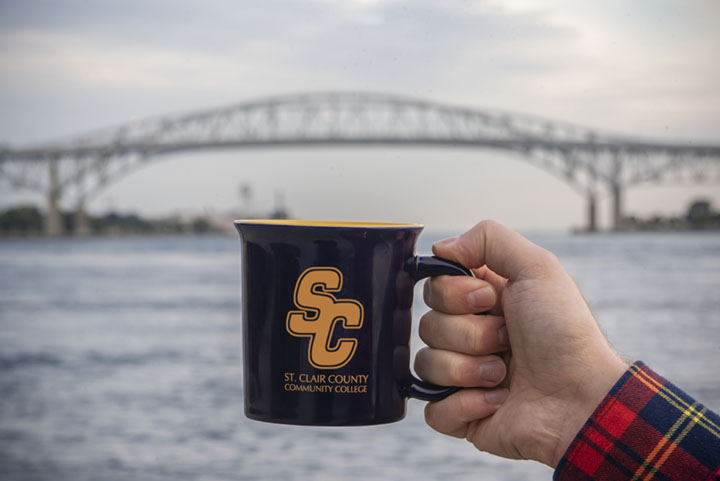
pixel 699 216
pixel 700 211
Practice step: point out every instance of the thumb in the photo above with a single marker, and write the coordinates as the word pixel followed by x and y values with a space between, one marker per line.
pixel 502 249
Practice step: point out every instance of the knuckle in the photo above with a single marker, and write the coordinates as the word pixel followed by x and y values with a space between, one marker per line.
pixel 545 265
pixel 484 229
pixel 488 224
pixel 476 338
pixel 483 226
pixel 463 371
pixel 465 408
pixel 548 258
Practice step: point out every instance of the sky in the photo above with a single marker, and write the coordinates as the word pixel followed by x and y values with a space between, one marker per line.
pixel 646 68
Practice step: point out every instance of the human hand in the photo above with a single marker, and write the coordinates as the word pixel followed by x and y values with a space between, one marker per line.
pixel 559 365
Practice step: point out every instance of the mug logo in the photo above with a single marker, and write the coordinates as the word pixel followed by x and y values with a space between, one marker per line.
pixel 319 312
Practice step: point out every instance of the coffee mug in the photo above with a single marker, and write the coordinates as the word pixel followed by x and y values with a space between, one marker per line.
pixel 326 312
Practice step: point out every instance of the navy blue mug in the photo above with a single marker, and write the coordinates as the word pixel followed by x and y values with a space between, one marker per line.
pixel 326 312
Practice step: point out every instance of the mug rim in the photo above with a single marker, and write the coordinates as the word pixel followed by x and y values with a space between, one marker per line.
pixel 332 224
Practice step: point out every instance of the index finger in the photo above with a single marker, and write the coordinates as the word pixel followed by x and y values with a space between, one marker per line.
pixel 459 294
pixel 503 250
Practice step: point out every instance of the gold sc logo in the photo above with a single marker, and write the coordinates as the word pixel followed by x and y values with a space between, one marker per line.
pixel 318 314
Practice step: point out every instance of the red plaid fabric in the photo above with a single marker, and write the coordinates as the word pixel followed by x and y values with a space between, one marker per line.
pixel 645 429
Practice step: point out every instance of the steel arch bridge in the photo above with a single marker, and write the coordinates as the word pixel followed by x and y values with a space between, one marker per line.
pixel 589 160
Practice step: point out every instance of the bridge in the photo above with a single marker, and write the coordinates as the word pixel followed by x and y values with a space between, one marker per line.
pixel 594 163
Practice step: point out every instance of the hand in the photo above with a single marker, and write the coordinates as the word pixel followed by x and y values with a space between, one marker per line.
pixel 559 365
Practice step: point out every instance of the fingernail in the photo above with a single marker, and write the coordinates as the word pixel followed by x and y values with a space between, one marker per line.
pixel 445 241
pixel 482 298
pixel 503 336
pixel 492 371
pixel 497 396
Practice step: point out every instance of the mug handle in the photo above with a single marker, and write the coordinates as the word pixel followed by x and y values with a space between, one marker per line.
pixel 428 266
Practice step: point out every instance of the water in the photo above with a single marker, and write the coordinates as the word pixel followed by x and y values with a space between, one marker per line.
pixel 120 360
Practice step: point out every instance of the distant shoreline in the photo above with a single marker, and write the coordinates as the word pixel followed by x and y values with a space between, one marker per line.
pixel 24 222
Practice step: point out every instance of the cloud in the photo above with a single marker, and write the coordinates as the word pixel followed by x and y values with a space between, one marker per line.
pixel 558 59
pixel 91 63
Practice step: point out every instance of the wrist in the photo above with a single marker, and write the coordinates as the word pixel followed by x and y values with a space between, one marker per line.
pixel 590 393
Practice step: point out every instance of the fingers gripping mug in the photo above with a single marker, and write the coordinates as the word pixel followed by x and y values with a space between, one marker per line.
pixel 326 320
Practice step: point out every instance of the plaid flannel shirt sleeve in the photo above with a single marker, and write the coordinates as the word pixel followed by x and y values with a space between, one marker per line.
pixel 645 429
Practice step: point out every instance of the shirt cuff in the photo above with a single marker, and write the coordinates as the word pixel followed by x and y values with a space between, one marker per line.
pixel 647 429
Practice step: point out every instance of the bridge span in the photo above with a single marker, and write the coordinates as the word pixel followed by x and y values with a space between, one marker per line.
pixel 591 161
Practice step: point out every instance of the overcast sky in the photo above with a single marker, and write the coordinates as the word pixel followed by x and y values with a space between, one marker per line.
pixel 645 68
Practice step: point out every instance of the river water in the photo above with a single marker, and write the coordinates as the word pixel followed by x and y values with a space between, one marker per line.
pixel 120 360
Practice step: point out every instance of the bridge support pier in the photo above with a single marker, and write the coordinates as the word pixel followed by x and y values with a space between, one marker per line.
pixel 618 220
pixel 591 212
pixel 53 219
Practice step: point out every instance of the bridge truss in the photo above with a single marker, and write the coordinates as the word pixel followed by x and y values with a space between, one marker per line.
pixel 590 161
